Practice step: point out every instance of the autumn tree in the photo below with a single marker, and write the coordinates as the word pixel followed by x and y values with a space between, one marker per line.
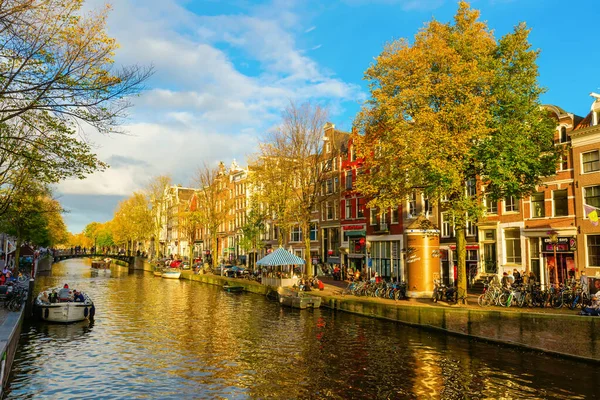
pixel 156 197
pixel 132 221
pixel 451 109
pixel 214 203
pixel 56 77
pixel 288 168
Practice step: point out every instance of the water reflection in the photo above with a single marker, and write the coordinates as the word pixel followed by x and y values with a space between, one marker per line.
pixel 161 338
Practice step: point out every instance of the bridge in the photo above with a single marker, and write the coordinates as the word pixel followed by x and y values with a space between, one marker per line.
pixel 65 256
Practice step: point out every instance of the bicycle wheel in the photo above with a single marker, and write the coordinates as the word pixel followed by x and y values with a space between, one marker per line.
pixel 503 299
pixel 483 300
pixel 556 301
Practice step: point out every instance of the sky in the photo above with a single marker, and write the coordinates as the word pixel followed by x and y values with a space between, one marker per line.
pixel 224 71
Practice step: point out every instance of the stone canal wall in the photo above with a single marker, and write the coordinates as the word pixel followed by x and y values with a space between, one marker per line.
pixel 10 329
pixel 566 335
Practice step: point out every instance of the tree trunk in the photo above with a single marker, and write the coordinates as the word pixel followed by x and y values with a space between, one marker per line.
pixel 307 258
pixel 213 251
pixel 461 252
pixel 17 256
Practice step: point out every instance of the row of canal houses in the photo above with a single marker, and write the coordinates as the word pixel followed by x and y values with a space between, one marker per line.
pixel 549 228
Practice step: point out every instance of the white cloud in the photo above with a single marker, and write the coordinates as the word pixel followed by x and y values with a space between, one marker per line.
pixel 219 82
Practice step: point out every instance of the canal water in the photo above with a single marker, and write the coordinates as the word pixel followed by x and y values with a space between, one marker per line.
pixel 160 338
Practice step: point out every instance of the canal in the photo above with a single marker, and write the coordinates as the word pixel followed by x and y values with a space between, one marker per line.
pixel 159 338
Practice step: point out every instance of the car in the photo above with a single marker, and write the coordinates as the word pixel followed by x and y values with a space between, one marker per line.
pixel 236 272
pixel 222 269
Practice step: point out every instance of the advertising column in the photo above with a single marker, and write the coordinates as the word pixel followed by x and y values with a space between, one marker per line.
pixel 422 257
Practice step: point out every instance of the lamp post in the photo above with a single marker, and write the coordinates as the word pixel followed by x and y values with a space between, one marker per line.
pixel 554 241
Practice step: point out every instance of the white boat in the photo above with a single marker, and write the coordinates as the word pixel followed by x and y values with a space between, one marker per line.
pixel 65 309
pixel 171 273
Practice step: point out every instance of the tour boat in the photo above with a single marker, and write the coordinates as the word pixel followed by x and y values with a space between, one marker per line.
pixel 101 264
pixel 171 273
pixel 65 310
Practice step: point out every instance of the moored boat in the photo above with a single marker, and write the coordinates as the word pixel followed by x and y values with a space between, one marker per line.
pixel 233 288
pixel 291 298
pixel 64 305
pixel 171 273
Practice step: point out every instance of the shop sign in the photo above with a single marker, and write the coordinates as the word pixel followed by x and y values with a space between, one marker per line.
pixel 564 244
pixel 353 227
pixel 354 255
pixel 468 247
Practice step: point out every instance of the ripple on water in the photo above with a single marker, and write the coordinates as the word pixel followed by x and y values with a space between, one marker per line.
pixel 157 338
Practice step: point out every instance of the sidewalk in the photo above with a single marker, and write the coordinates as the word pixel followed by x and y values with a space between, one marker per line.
pixel 334 289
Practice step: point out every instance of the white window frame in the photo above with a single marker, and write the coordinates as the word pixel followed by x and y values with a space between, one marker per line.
pixel 372 216
pixel 583 164
pixel 394 216
pixel 348 209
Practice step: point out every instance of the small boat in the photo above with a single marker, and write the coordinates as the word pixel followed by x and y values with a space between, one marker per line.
pixel 157 272
pixel 66 307
pixel 300 301
pixel 233 288
pixel 294 299
pixel 171 273
pixel 101 264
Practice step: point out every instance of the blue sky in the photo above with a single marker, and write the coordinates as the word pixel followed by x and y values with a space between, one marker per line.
pixel 225 69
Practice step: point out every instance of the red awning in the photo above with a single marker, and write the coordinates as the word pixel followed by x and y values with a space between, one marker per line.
pixel 469 247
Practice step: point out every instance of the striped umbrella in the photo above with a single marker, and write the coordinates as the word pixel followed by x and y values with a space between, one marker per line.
pixel 280 257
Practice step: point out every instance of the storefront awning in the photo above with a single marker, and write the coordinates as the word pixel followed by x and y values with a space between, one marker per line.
pixel 355 233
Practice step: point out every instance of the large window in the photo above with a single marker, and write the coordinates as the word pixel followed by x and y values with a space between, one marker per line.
pixel 471 228
pixel 471 188
pixel 491 206
pixel 512 239
pixel 329 210
pixel 360 208
pixel 349 180
pixel 511 204
pixel 591 161
pixel 394 218
pixel 537 205
pixel 348 209
pixel 329 186
pixel 563 163
pixel 591 196
pixel 563 137
pixel 296 234
pixel 447 226
pixel 313 232
pixel 373 216
pixel 593 250
pixel 412 204
pixel 561 203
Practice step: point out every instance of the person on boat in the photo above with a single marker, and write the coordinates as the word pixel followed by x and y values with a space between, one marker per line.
pixel 65 293
pixel 44 298
pixel 53 296
pixel 78 296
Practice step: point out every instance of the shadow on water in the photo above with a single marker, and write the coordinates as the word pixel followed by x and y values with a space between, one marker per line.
pixel 160 338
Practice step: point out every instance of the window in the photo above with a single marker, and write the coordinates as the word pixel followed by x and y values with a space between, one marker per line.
pixel 591 161
pixel 352 154
pixel 360 208
pixel 329 186
pixel 561 203
pixel 471 188
pixel 447 226
pixel 471 228
pixel 348 209
pixel 511 204
pixel 563 135
pixel 296 234
pixel 336 184
pixel 313 232
pixel 491 206
pixel 592 196
pixel 327 147
pixel 412 204
pixel 394 215
pixel 512 238
pixel 593 250
pixel 537 205
pixel 349 180
pixel 373 216
pixel 563 163
pixel 329 210
pixel 428 208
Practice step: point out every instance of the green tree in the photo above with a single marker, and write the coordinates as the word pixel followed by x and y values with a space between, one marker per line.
pixel 454 108
pixel 252 231
pixel 31 216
